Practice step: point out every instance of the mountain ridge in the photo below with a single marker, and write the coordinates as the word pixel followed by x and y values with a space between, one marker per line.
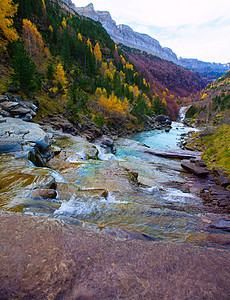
pixel 124 34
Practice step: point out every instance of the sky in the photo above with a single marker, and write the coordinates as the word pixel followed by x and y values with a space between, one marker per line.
pixel 191 28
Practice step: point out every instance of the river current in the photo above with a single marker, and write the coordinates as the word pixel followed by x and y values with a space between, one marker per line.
pixel 100 194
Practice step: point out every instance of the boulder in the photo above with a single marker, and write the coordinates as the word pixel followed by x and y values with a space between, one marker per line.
pixel 44 193
pixel 194 168
pixel 25 139
pixel 91 153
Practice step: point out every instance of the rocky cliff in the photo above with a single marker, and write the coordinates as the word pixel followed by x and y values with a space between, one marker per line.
pixel 125 35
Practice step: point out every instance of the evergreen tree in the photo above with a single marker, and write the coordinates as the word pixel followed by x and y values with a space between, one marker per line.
pixel 24 68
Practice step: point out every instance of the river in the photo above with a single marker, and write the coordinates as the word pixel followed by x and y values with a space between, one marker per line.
pixel 100 194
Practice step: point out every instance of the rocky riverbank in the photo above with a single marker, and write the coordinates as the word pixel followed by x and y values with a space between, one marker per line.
pixel 64 261
pixel 214 186
pixel 72 262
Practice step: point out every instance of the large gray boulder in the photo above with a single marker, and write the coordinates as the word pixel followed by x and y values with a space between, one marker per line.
pixel 24 139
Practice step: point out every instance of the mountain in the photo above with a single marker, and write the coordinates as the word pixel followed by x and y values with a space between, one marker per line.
pixel 125 35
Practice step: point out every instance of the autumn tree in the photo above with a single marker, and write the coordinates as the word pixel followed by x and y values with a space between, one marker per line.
pixel 60 79
pixel 79 36
pixel 33 41
pixel 97 53
pixel 89 45
pixel 7 32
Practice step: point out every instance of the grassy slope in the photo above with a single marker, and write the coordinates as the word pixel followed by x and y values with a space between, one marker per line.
pixel 212 106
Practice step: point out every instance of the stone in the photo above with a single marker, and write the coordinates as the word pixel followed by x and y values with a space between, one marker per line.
pixel 44 193
pixel 4 113
pixel 25 139
pixel 179 154
pixel 194 169
pixel 221 224
pixel 91 153
pixel 221 177
pixel 20 111
pixel 44 258
pixel 8 105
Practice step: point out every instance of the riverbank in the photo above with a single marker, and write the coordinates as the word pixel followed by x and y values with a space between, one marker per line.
pixel 102 224
pixel 73 262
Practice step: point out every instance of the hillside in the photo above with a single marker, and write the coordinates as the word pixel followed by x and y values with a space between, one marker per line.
pixel 167 79
pixel 211 106
pixel 69 66
pixel 210 110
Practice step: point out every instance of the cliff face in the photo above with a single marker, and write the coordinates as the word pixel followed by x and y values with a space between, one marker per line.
pixel 125 35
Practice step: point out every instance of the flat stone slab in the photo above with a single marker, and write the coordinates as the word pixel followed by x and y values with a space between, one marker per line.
pixel 174 154
pixel 194 169
pixel 8 105
pixel 20 111
pixel 44 258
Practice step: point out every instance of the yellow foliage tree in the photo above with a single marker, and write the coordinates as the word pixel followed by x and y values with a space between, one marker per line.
pixel 32 39
pixel 63 23
pixel 103 68
pixel 7 32
pixel 204 96
pixel 43 4
pixel 89 45
pixel 51 28
pixel 147 100
pixel 79 36
pixel 122 76
pixel 97 53
pixel 129 66
pixel 123 61
pixel 113 106
pixel 60 76
pixel 136 92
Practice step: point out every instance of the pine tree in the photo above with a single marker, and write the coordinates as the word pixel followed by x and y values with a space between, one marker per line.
pixel 24 68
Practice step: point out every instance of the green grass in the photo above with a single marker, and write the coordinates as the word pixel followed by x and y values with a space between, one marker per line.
pixel 217 148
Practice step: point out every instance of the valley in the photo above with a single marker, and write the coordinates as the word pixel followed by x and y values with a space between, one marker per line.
pixel 114 161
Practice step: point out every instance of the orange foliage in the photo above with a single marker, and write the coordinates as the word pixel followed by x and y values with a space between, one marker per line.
pixel 60 76
pixel 33 41
pixel 112 105
pixel 97 52
pixel 7 32
pixel 89 45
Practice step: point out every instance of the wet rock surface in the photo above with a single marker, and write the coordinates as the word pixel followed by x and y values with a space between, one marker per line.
pixel 25 139
pixel 44 258
pixel 214 195
pixel 195 168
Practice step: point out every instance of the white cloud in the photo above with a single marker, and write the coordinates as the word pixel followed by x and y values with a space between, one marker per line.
pixel 191 28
